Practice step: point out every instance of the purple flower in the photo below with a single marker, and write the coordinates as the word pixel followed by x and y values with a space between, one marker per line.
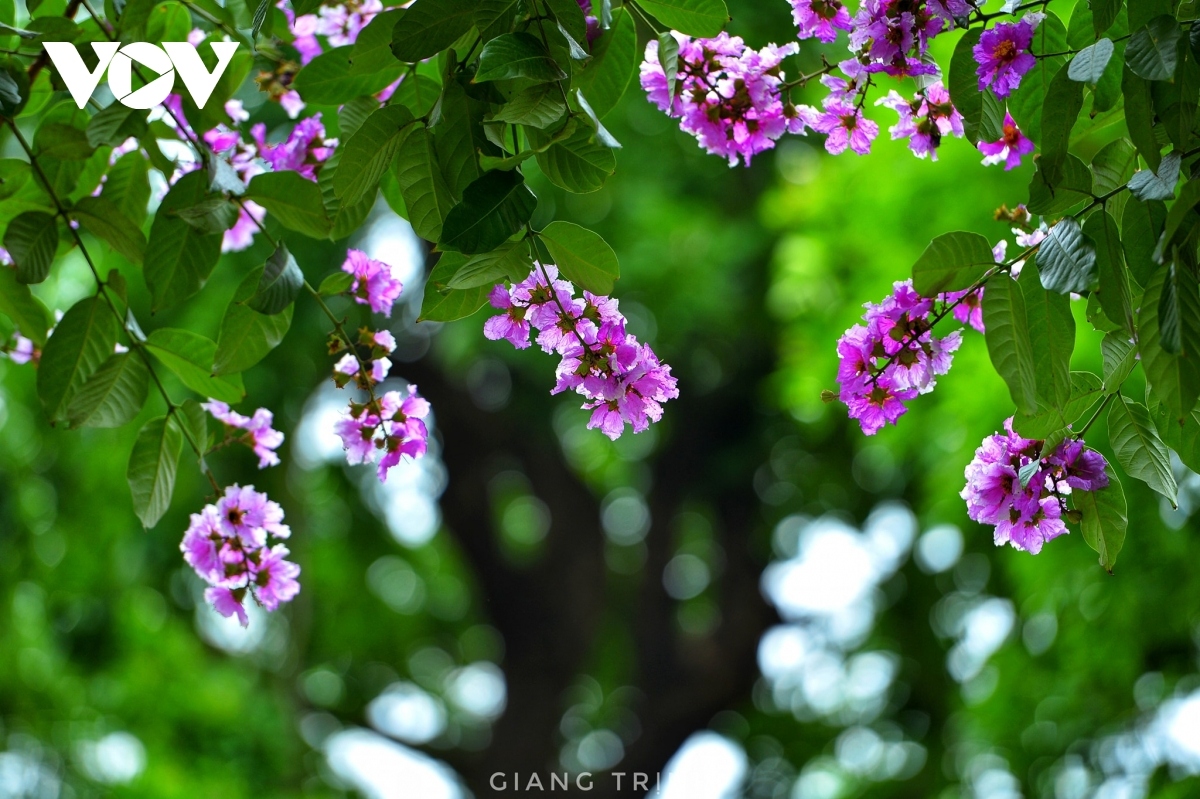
pixel 374 283
pixel 250 516
pixel 1003 55
pixel 1012 145
pixel 925 120
pixel 258 435
pixel 820 18
pixel 275 578
pixel 305 149
pixel 227 603
pixel 845 126
pixel 511 326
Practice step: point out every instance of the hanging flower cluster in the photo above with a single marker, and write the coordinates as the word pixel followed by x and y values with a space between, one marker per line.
pixel 1003 55
pixel 253 431
pixel 229 546
pixel 1013 486
pixel 621 379
pixel 925 119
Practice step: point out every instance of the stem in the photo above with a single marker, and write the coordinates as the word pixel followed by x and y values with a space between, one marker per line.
pixel 1096 415
pixel 363 367
pixel 102 291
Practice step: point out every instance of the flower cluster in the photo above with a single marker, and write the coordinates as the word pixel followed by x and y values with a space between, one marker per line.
pixel 228 545
pixel 1003 56
pixel 380 344
pixel 621 379
pixel 1012 145
pixel 253 431
pixel 893 36
pixel 374 282
pixel 1013 485
pixel 925 119
pixel 382 430
pixel 304 150
pixel 727 95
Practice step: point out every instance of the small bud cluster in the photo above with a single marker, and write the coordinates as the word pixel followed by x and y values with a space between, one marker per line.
pixel 621 379
pixel 1014 485
pixel 228 544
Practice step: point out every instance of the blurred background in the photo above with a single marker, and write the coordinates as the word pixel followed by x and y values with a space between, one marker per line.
pixel 750 599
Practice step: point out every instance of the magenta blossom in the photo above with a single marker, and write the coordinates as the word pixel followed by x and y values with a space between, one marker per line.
pixel 845 126
pixel 374 282
pixel 253 431
pixel 820 19
pixel 925 120
pixel 384 430
pixel 305 149
pixel 1012 145
pixel 1003 55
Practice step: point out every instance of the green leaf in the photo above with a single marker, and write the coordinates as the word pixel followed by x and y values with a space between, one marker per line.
pixel 417 93
pixel 1113 166
pixel 1139 116
pixel 190 356
pixel 32 239
pixel 1141 226
pixel 1175 379
pixel 569 14
pixel 279 285
pixel 458 136
pixel 1138 448
pixel 64 142
pixel 1157 184
pixel 430 26
pixel 1114 294
pixel 1104 519
pixel 372 50
pixel 1009 346
pixel 114 395
pixel 353 114
pixel 1104 14
pixel 114 124
pixel 496 17
pixel 101 218
pixel 346 217
pixel 426 195
pixel 579 164
pixel 493 208
pixel 1088 64
pixel 212 214
pixel 1073 188
pixel 179 257
pixel 246 335
pixel 334 284
pixel 369 152
pixel 1027 102
pixel 260 16
pixel 615 60
pixel 517 55
pixel 1183 436
pixel 1120 357
pixel 511 261
pixel 952 262
pixel 1052 335
pixel 964 84
pixel 330 78
pixel 441 304
pixel 1169 312
pixel 582 256
pixel 152 465
pixel 602 136
pixel 127 186
pixel 1064 101
pixel 668 59
pixel 1175 101
pixel 1189 196
pixel 25 310
pixel 1086 389
pixel 701 18
pixel 193 423
pixel 539 106
pixel 293 200
pixel 83 339
pixel 1152 53
pixel 1067 259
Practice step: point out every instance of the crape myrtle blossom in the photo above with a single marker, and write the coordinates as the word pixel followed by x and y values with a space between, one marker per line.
pixel 727 95
pixel 1003 56
pixel 622 381
pixel 1027 516
pixel 925 119
pixel 820 19
pixel 845 127
pixel 380 344
pixel 1013 144
pixel 893 36
pixel 374 283
pixel 383 430
pixel 229 546
pixel 253 431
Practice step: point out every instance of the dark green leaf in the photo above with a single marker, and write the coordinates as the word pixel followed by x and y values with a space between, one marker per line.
pixel 179 257
pixel 114 395
pixel 1052 335
pixel 1089 63
pixel 246 335
pixel 426 195
pixel 114 124
pixel 579 164
pixel 582 256
pixel 1064 101
pixel 1180 212
pixel 1113 293
pixel 127 186
pixel 458 136
pixel 1104 14
pixel 615 60
pixel 190 356
pixel 25 310
pixel 493 208
pixel 152 465
pixel 1175 101
pixel 1120 356
pixel 702 18
pixel 1009 346
pixel 101 218
pixel 1027 102
pixel 1104 519
pixel 32 239
pixel 952 262
pixel 353 114
pixel 1067 259
pixel 964 84
pixel 64 142
pixel 1153 50
pixel 214 213
pixel 495 17
pixel 1138 448
pixel 1113 166
pixel 1157 184
pixel 373 48
pixel 83 339
pixel 511 261
pixel 1175 379
pixel 417 93
pixel 441 304
pixel 1139 116
pixel 539 106
pixel 668 59
pixel 430 26
pixel 1141 226
pixel 260 16
pixel 1072 189
pixel 570 16
pixel 517 55
pixel 334 284
pixel 369 152
pixel 330 78
pixel 1085 391
pixel 602 136
pixel 279 285
pixel 293 200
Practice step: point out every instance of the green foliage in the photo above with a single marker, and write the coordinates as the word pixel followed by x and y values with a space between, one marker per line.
pixel 32 239
pixel 582 256
pixel 952 262
pixel 152 466
pixel 1104 519
pixel 113 395
pixel 190 356
pixel 83 339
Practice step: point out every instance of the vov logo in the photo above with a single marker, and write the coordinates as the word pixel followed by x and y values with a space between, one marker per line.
pixel 164 61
